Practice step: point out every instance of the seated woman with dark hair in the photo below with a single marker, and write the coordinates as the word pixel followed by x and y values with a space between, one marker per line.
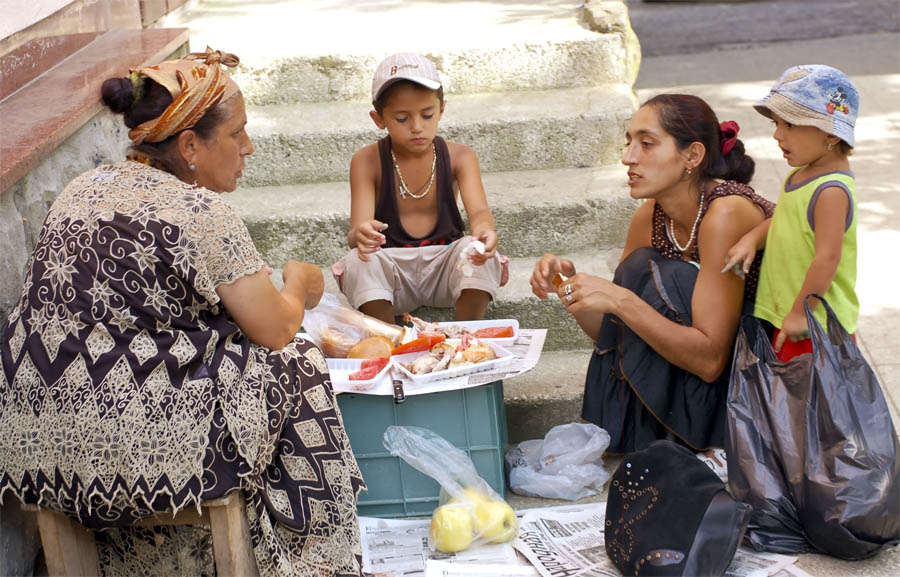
pixel 664 327
pixel 151 363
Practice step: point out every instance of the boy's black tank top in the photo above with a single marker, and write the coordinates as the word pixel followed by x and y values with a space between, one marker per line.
pixel 449 226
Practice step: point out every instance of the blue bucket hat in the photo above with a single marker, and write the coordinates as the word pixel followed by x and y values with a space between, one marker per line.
pixel 814 95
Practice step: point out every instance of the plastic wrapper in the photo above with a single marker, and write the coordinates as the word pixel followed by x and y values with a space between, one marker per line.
pixel 470 512
pixel 566 464
pixel 336 327
pixel 811 446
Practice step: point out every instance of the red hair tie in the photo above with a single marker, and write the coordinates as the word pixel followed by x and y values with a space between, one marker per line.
pixel 728 132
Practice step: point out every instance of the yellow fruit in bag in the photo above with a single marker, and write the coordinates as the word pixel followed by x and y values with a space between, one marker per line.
pixel 495 520
pixel 452 527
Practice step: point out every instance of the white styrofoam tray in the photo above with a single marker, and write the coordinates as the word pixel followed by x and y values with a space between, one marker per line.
pixel 503 357
pixel 483 324
pixel 340 370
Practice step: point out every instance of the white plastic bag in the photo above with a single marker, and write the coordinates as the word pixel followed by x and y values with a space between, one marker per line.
pixel 566 464
pixel 470 511
pixel 336 327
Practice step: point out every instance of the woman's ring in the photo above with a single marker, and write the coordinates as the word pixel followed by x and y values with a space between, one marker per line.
pixel 568 298
pixel 568 290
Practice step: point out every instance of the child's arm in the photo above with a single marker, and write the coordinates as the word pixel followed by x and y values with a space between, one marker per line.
pixel 829 219
pixel 468 177
pixel 744 251
pixel 365 232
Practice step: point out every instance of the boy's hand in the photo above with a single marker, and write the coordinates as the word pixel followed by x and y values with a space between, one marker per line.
pixel 793 327
pixel 544 270
pixel 369 238
pixel 740 257
pixel 489 238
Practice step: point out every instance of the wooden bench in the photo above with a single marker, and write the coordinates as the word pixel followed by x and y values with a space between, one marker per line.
pixel 70 549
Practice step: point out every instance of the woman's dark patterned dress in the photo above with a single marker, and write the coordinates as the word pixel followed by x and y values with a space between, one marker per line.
pixel 126 389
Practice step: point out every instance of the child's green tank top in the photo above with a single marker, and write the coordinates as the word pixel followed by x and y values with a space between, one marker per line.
pixel 791 246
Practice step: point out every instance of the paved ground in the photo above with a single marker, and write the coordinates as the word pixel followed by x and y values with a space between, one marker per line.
pixel 730 54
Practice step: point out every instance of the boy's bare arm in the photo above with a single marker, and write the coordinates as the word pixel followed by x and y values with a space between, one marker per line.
pixel 467 174
pixel 365 232
pixel 829 219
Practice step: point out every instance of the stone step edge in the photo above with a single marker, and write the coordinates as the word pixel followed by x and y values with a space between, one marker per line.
pixel 550 394
pixel 558 210
pixel 306 143
pixel 559 64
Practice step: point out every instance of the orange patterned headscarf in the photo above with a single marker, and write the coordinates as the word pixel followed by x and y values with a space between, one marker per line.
pixel 196 83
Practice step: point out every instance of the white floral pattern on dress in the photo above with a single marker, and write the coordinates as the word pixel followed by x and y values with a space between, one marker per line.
pixel 125 388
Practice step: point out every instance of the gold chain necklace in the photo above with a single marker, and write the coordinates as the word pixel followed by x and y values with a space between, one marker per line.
pixel 404 189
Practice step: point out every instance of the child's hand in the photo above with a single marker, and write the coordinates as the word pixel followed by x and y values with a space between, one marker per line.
pixel 369 238
pixel 793 327
pixel 489 238
pixel 545 269
pixel 740 256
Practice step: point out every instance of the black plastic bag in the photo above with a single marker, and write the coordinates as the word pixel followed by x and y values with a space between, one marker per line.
pixel 811 446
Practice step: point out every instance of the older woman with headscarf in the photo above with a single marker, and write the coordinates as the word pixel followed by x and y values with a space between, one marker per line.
pixel 151 364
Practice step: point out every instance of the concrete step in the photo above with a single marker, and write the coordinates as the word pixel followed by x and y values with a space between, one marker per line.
pixel 297 52
pixel 516 301
pixel 548 395
pixel 314 142
pixel 556 210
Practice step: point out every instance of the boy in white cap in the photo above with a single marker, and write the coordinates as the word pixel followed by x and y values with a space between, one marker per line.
pixel 810 241
pixel 407 241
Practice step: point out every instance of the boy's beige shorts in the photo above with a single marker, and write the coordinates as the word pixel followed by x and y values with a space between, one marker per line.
pixel 414 277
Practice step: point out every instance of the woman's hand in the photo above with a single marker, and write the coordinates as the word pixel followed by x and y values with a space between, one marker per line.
pixel 369 238
pixel 265 315
pixel 306 282
pixel 793 327
pixel 544 271
pixel 587 293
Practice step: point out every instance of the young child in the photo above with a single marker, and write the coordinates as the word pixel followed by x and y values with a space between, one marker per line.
pixel 810 241
pixel 406 236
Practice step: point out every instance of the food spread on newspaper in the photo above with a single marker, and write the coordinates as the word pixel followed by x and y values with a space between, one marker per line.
pixel 526 349
pixel 562 541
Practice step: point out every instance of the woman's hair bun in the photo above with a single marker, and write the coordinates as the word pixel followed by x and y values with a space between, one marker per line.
pixel 118 94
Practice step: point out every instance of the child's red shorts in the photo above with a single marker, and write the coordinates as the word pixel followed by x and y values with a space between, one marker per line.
pixel 791 349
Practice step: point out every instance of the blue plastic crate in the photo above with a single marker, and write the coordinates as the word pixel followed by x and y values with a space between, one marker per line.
pixel 472 419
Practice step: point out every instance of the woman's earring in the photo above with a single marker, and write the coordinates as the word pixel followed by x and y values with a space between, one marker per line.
pixel 192 166
pixel 830 146
pixel 689 170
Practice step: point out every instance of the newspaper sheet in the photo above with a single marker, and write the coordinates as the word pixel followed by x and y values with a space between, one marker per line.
pixel 564 542
pixel 526 348
pixel 437 568
pixel 395 547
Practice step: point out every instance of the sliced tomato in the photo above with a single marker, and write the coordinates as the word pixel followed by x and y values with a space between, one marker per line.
pixel 495 333
pixel 423 343
pixel 379 363
pixel 364 374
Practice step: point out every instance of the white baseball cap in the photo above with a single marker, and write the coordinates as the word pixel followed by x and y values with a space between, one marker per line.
pixel 404 66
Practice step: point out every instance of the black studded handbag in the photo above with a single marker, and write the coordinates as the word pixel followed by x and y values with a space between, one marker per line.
pixel 668 514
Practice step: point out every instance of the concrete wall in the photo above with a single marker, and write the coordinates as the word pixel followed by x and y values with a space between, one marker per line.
pixel 17 15
pixel 24 206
